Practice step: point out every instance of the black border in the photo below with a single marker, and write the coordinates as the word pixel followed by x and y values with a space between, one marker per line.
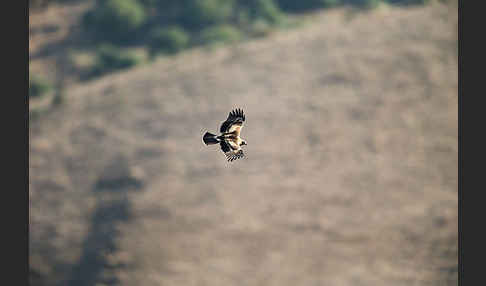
pixel 15 187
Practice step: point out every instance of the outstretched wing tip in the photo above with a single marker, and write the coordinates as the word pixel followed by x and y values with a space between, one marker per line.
pixel 234 156
pixel 237 111
pixel 235 116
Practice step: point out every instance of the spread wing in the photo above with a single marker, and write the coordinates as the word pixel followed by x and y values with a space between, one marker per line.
pixel 235 155
pixel 231 150
pixel 234 122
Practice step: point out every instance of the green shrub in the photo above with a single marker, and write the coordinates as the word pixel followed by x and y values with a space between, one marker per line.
pixel 261 9
pixel 151 3
pixel 59 97
pixel 169 40
pixel 222 33
pixel 38 86
pixel 304 5
pixel 197 14
pixel 109 58
pixel 330 3
pixel 260 28
pixel 165 12
pixel 364 3
pixel 407 2
pixel 115 20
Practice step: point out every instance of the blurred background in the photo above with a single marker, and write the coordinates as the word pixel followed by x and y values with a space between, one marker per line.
pixel 351 122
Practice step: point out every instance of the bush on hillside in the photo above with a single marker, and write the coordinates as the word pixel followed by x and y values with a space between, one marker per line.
pixel 364 3
pixel 407 2
pixel 260 28
pixel 165 12
pixel 305 5
pixel 197 14
pixel 257 10
pixel 38 86
pixel 168 40
pixel 109 58
pixel 115 20
pixel 222 33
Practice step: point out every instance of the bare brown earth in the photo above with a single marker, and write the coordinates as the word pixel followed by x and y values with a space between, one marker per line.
pixel 350 176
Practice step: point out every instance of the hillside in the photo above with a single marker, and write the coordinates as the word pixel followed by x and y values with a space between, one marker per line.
pixel 350 176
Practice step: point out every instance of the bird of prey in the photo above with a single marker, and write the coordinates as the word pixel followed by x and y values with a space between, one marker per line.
pixel 229 140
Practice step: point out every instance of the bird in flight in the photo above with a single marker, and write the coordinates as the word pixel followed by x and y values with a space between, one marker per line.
pixel 229 140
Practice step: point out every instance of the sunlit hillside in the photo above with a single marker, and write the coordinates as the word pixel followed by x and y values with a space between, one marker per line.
pixel 350 176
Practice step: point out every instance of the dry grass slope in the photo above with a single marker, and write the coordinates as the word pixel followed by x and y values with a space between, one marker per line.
pixel 350 179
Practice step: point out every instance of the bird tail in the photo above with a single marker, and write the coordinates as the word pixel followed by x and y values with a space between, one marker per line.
pixel 210 139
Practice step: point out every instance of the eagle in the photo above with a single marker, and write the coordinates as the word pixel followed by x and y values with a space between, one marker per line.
pixel 229 140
